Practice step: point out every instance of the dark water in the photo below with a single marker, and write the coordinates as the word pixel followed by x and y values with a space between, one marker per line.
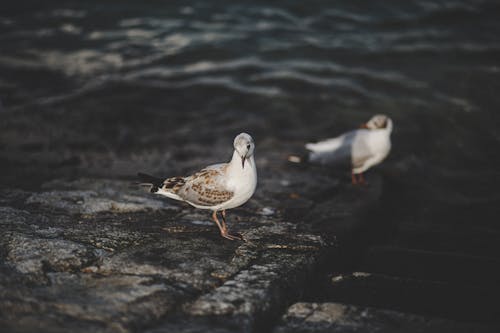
pixel 127 77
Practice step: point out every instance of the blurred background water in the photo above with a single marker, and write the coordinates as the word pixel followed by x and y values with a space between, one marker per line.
pixel 124 78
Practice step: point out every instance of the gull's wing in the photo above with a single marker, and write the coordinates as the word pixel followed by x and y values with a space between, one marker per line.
pixel 327 145
pixel 204 188
pixel 332 151
pixel 352 147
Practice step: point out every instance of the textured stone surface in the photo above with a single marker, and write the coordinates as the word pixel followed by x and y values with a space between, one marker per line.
pixel 90 197
pixel 102 255
pixel 73 261
pixel 80 301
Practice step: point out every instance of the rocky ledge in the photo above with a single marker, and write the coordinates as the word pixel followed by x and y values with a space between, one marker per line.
pixel 102 255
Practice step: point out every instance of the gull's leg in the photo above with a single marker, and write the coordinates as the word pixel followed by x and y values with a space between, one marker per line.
pixel 216 220
pixel 362 179
pixel 223 231
pixel 353 178
pixel 223 213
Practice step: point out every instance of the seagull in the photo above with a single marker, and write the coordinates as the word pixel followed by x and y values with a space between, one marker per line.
pixel 364 147
pixel 217 187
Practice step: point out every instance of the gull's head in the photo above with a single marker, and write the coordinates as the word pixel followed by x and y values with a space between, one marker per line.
pixel 244 146
pixel 379 121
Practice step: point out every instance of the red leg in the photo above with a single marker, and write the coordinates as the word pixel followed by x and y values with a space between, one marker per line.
pixel 216 220
pixel 223 213
pixel 353 178
pixel 222 228
pixel 361 179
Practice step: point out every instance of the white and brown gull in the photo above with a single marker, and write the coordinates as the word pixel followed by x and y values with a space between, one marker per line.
pixel 217 187
pixel 363 147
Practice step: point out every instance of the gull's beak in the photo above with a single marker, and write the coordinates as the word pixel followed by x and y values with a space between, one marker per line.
pixel 363 126
pixel 243 161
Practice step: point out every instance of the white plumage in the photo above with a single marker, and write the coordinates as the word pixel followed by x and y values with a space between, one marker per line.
pixel 363 148
pixel 217 187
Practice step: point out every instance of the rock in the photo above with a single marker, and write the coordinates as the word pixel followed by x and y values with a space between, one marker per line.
pixel 71 262
pixel 96 196
pixel 337 317
pixel 78 302
pixel 256 290
pixel 262 276
pixel 33 255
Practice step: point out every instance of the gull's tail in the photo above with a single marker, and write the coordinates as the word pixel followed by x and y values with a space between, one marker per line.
pixel 148 180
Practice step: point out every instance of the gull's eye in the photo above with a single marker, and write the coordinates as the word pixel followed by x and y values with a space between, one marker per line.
pixel 248 146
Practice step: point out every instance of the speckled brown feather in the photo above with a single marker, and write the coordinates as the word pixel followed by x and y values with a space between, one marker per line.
pixel 174 184
pixel 204 188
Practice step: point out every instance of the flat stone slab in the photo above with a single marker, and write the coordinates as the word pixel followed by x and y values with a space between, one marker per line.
pixel 87 196
pixel 94 255
pixel 102 255
pixel 337 317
